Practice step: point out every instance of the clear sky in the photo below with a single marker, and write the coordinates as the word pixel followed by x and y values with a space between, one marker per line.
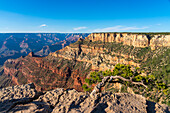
pixel 84 16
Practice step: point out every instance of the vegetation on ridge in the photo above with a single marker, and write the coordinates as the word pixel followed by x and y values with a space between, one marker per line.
pixel 155 62
pixel 153 84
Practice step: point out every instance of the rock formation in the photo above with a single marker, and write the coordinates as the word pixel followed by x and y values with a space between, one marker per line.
pixel 93 55
pixel 132 39
pixel 11 96
pixel 26 99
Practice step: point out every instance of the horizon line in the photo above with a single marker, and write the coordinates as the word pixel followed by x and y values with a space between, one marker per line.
pixel 86 32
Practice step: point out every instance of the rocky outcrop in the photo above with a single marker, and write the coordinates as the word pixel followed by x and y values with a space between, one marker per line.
pixel 103 102
pixel 11 96
pixel 136 40
pixel 25 99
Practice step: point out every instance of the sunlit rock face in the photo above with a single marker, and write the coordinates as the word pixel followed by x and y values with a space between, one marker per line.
pixel 136 40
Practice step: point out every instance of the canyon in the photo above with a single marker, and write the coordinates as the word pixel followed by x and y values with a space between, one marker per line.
pixel 67 68
pixel 15 45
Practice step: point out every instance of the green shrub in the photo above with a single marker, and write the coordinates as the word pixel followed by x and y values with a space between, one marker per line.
pixel 154 84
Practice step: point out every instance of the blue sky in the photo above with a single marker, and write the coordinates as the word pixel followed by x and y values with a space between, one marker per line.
pixel 84 16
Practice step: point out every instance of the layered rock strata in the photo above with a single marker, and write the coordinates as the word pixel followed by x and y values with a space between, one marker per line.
pixel 95 56
pixel 136 40
pixel 47 72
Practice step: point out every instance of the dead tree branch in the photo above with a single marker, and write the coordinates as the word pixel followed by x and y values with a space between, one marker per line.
pixel 97 88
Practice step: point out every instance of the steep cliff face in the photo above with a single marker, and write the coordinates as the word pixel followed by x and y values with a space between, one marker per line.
pixel 136 40
pixel 160 41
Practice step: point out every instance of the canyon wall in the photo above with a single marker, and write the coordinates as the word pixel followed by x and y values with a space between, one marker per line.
pixel 68 67
pixel 95 56
pixel 136 40
pixel 47 72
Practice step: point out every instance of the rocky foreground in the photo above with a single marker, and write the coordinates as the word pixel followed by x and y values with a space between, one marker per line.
pixel 26 99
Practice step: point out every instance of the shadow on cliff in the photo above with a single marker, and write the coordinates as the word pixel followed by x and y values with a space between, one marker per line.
pixel 1 72
pixel 23 104
pixel 100 108
pixel 8 104
pixel 151 107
